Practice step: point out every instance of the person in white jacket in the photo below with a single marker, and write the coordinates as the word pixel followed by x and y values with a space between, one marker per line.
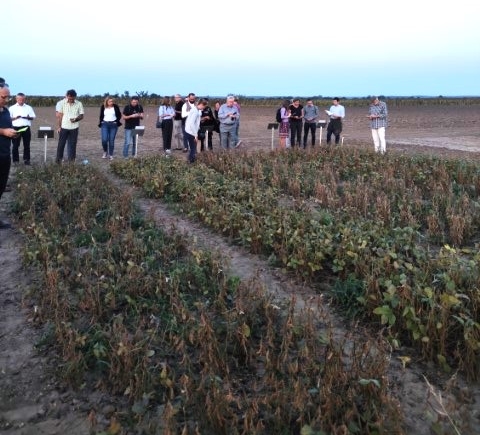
pixel 192 124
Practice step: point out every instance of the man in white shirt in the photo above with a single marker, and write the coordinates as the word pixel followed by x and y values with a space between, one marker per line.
pixel 336 113
pixel 22 115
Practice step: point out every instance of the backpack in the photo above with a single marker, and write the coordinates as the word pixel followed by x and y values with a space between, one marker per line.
pixel 279 115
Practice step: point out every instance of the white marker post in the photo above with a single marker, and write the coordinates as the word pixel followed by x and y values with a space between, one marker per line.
pixel 139 130
pixel 45 132
pixel 273 126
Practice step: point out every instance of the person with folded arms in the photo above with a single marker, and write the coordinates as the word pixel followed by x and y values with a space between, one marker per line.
pixel 377 113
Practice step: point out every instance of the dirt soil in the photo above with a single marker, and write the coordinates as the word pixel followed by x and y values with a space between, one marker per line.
pixel 34 401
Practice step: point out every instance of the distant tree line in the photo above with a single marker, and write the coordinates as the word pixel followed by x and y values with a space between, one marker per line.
pixel 152 99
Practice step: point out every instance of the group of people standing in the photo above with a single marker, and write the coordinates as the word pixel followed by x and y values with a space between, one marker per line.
pixel 296 118
pixel 293 116
pixel 189 122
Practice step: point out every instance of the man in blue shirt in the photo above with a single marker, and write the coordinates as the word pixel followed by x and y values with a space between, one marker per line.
pixel 310 114
pixel 7 133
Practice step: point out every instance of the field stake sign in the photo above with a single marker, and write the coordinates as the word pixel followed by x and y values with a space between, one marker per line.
pixel 45 132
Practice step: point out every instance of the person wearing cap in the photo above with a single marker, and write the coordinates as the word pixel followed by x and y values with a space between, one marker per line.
pixel 7 133
pixel 22 115
pixel 378 113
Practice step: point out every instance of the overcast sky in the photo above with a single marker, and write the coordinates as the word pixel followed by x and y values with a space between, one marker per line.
pixel 245 47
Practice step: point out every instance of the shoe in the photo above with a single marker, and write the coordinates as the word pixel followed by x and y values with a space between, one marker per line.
pixel 26 162
pixel 110 157
pixel 5 225
pixel 238 143
pixel 178 149
pixel 185 150
pixel 8 188
pixel 168 152
pixel 104 156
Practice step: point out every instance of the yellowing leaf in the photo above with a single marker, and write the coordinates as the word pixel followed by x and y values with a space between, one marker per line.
pixel 246 330
pixel 404 360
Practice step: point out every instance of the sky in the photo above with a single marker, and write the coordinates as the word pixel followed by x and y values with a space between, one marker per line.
pixel 350 48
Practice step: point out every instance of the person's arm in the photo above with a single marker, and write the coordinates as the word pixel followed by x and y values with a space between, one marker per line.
pixel 223 113
pixel 8 132
pixel 100 116
pixel 79 117
pixel 59 120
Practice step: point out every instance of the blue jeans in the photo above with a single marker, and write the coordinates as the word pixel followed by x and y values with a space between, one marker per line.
pixel 228 135
pixel 109 131
pixel 130 136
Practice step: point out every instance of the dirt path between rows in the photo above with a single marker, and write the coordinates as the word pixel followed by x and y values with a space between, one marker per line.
pixel 34 401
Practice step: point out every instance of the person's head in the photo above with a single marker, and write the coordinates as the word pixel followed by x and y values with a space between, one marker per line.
pixel 336 101
pixel 296 102
pixel 178 98
pixel 20 98
pixel 134 101
pixel 4 94
pixel 191 97
pixel 166 101
pixel 109 101
pixel 309 102
pixel 286 104
pixel 230 100
pixel 202 103
pixel 374 100
pixel 71 95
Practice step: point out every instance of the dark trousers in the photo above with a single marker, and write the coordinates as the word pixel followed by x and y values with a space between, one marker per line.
pixel 167 132
pixel 335 128
pixel 4 171
pixel 26 136
pixel 295 132
pixel 69 138
pixel 202 135
pixel 192 145
pixel 312 127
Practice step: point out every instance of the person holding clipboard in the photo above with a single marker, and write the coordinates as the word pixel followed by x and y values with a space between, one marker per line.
pixel 336 114
pixel 22 116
